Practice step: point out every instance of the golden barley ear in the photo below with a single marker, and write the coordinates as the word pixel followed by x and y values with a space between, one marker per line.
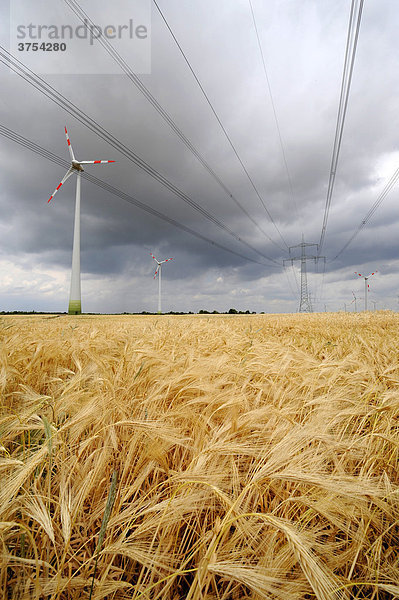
pixel 106 517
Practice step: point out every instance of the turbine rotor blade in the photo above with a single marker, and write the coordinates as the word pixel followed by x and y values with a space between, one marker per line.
pixel 69 145
pixel 95 162
pixel 158 263
pixel 68 174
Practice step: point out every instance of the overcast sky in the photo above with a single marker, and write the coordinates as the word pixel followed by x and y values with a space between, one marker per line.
pixel 303 42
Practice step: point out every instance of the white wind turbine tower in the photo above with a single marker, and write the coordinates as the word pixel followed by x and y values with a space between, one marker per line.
pixel 158 271
pixel 75 304
pixel 366 286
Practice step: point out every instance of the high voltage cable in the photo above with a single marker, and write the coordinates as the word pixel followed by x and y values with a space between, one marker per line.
pixel 350 53
pixel 218 120
pixel 319 286
pixel 86 20
pixel 92 124
pixel 62 162
pixel 58 98
pixel 274 110
pixel 289 283
pixel 30 145
pixel 296 279
pixel 391 183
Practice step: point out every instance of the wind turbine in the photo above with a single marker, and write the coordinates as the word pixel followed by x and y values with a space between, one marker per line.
pixel 75 304
pixel 354 301
pixel 158 272
pixel 366 286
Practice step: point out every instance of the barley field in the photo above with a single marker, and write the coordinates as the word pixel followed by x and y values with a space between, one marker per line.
pixel 199 457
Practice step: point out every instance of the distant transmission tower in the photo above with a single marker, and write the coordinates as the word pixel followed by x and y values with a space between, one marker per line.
pixel 305 304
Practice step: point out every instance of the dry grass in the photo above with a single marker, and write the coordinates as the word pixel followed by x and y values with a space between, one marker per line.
pixel 256 457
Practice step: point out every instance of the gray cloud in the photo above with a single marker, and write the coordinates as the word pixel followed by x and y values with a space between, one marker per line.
pixel 303 44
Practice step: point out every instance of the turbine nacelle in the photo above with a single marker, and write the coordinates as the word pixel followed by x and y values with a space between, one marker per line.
pixel 77 166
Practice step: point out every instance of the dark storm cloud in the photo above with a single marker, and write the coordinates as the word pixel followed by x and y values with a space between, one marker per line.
pixel 304 49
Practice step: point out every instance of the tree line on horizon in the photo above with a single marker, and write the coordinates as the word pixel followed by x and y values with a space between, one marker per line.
pixel 231 311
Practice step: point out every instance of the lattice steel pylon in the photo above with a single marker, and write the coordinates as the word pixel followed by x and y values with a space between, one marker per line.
pixel 305 304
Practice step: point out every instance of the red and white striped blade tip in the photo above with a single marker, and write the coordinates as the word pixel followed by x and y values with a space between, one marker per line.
pixel 95 162
pixel 67 137
pixel 63 180
pixel 55 191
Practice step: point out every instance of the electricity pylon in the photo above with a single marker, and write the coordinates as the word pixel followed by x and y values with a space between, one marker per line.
pixel 305 304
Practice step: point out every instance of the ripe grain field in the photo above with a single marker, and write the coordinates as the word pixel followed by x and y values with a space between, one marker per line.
pixel 200 457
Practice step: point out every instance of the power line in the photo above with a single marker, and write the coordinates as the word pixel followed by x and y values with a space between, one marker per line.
pixel 274 110
pixel 350 52
pixel 319 286
pixel 296 279
pixel 289 283
pixel 391 183
pixel 218 120
pixel 298 293
pixel 86 20
pixel 30 145
pixel 50 92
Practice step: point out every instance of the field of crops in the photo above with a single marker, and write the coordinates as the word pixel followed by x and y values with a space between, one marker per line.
pixel 200 457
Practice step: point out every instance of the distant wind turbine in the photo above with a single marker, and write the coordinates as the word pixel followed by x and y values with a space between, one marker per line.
pixel 354 300
pixel 75 304
pixel 158 271
pixel 366 286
